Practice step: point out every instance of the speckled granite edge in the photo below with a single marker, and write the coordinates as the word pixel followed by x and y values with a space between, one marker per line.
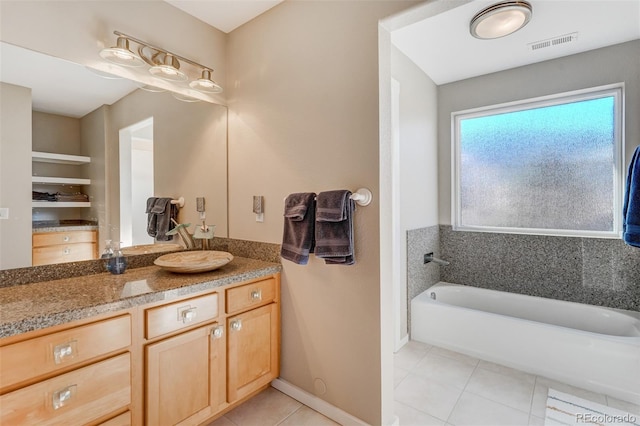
pixel 268 252
pixel 180 285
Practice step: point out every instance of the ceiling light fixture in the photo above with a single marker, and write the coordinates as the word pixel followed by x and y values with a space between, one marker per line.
pixel 500 19
pixel 163 64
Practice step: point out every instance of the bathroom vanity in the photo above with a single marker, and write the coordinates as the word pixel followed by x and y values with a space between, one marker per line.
pixel 146 347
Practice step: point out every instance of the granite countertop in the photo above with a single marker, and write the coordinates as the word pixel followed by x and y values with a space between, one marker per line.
pixel 63 225
pixel 44 304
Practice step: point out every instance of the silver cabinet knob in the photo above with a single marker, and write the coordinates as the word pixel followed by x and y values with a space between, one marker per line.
pixel 236 324
pixel 62 396
pixel 188 315
pixel 217 332
pixel 256 295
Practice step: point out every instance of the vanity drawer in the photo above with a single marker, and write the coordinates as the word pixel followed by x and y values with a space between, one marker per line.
pixel 64 253
pixel 123 419
pixel 32 358
pixel 77 397
pixel 70 237
pixel 174 316
pixel 250 295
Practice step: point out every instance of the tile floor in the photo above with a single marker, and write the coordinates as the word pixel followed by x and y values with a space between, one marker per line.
pixel 434 386
pixel 270 408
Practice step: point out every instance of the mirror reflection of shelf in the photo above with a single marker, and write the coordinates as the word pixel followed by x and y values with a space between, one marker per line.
pixel 49 157
pixel 67 159
pixel 58 204
pixel 60 180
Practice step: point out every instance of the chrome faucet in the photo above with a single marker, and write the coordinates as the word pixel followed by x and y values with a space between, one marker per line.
pixel 429 257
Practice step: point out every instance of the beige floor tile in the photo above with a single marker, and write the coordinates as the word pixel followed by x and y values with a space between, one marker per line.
pixel 409 416
pixel 508 371
pixel 410 354
pixel 398 375
pixel 507 390
pixel 305 416
pixel 536 421
pixel 474 410
pixel 222 421
pixel 269 407
pixel 428 396
pixel 444 369
pixel 455 355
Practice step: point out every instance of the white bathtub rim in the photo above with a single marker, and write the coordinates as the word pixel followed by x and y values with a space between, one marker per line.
pixel 633 314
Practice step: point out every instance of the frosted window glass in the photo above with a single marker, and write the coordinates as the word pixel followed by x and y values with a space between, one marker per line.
pixel 551 167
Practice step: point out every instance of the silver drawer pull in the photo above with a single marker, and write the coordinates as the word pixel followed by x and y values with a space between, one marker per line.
pixel 236 324
pixel 64 351
pixel 256 295
pixel 63 396
pixel 188 315
pixel 217 332
pixel 66 251
pixel 66 238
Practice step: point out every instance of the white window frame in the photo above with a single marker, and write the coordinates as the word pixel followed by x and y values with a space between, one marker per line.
pixel 616 90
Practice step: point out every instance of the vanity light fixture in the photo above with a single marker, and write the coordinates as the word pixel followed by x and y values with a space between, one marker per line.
pixel 163 64
pixel 205 83
pixel 500 19
pixel 121 54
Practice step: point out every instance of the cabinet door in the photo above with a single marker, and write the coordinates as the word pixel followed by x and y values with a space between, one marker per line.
pixel 185 377
pixel 253 350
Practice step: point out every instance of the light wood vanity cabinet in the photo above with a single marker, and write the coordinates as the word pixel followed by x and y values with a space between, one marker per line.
pixel 233 352
pixel 71 375
pixel 64 246
pixel 181 362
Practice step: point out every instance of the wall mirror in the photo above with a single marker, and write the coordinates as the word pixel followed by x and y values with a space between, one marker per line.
pixel 141 142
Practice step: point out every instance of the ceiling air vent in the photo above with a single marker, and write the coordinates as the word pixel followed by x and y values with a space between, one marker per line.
pixel 551 42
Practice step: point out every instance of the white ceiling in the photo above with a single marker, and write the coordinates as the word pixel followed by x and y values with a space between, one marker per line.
pixel 440 45
pixel 443 48
pixel 225 15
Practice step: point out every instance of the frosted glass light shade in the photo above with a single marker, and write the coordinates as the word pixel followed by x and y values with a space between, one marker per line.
pixel 205 83
pixel 121 54
pixel 500 19
pixel 167 70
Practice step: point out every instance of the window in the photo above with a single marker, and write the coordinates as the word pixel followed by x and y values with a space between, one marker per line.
pixel 549 165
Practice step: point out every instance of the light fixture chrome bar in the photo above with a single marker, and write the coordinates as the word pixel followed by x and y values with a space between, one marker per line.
pixel 175 55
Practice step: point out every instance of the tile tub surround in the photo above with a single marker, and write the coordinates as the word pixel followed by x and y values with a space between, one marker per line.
pixel 420 276
pixel 250 249
pixel 44 304
pixel 596 271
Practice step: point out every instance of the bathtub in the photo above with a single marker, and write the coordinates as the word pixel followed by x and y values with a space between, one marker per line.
pixel 591 347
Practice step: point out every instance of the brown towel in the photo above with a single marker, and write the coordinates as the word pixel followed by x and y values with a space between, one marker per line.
pixel 334 227
pixel 299 218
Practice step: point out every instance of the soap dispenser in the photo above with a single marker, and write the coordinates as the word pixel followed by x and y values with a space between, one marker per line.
pixel 107 254
pixel 117 263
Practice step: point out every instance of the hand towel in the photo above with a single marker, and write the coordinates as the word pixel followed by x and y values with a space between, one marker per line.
pixel 160 212
pixel 631 205
pixel 299 220
pixel 334 227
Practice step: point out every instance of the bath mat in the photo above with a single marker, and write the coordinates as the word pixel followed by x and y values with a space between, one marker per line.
pixel 565 409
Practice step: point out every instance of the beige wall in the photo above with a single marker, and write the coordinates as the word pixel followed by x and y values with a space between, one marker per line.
pixel 15 175
pixel 303 113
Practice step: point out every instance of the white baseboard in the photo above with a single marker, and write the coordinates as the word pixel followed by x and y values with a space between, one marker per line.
pixel 319 405
pixel 402 342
